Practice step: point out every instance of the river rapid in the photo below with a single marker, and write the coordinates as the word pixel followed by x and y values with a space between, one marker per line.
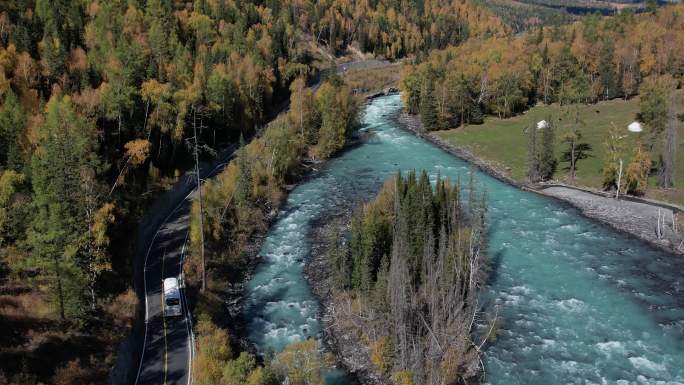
pixel 579 302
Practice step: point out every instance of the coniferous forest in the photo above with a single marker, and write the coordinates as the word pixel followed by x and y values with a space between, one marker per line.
pixel 99 105
pixel 407 281
pixel 108 106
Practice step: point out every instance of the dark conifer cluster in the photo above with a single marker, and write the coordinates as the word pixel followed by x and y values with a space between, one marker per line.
pixel 415 261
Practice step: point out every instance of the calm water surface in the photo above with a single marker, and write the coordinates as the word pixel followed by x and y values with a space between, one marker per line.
pixel 580 303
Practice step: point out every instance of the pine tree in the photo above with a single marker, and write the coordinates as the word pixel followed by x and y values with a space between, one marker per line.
pixel 547 156
pixel 669 154
pixel 428 109
pixel 65 191
pixel 576 150
pixel 12 121
pixel 532 154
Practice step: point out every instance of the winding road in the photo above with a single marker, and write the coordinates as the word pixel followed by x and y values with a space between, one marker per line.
pixel 167 346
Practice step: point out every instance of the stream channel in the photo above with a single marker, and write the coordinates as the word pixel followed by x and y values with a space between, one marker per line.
pixel 580 303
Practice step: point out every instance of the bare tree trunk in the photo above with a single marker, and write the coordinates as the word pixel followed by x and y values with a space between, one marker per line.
pixel 147 110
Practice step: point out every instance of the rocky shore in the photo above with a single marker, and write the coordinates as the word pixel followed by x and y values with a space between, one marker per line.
pixel 233 296
pixel 649 221
pixel 350 353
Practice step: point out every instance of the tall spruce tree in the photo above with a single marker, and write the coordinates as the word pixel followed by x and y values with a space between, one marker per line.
pixel 547 152
pixel 12 121
pixel 61 169
pixel 428 108
pixel 532 154
pixel 669 154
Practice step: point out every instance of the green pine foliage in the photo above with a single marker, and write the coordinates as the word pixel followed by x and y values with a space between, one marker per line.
pixel 428 108
pixel 416 263
pixel 547 156
pixel 64 169
pixel 595 58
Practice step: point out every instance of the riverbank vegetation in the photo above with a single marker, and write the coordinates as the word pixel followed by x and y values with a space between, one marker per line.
pixel 405 285
pixel 564 71
pixel 99 105
pixel 301 363
pixel 504 142
pixel 237 206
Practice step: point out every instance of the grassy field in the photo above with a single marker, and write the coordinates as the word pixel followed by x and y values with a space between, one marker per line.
pixel 503 142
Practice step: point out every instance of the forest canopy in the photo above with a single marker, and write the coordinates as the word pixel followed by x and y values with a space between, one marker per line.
pixel 407 281
pixel 100 102
pixel 594 59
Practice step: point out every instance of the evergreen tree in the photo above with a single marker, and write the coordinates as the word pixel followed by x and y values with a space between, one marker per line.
pixel 547 156
pixel 607 72
pixel 12 122
pixel 532 154
pixel 428 109
pixel 654 104
pixel 669 154
pixel 64 189
pixel 575 150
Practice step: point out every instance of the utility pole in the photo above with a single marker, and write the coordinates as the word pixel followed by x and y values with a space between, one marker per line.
pixel 199 197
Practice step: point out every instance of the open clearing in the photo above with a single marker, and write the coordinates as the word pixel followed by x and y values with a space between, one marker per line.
pixel 504 142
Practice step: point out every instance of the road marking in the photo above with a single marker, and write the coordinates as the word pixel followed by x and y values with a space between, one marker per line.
pixel 147 254
pixel 147 315
pixel 188 316
pixel 166 345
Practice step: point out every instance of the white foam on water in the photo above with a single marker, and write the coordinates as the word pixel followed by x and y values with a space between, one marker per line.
pixel 570 227
pixel 648 367
pixel 523 289
pixel 569 366
pixel 610 347
pixel 510 299
pixel 572 304
pixel 548 344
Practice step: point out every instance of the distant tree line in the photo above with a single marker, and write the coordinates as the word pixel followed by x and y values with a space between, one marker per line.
pixel 597 58
pixel 393 29
pixel 408 281
pixel 528 15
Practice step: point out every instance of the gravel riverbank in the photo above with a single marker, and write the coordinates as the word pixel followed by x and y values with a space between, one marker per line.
pixel 632 215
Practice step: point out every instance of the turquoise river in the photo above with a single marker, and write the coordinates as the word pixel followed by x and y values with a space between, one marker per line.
pixel 580 303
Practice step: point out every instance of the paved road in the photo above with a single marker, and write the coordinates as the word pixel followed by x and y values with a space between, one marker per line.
pixel 168 347
pixel 168 342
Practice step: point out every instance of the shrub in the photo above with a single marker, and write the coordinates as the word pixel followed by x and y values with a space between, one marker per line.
pixel 381 354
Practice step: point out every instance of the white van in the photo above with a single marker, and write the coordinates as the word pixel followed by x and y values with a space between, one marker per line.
pixel 171 300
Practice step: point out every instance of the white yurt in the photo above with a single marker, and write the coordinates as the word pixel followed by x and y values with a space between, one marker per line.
pixel 635 127
pixel 542 124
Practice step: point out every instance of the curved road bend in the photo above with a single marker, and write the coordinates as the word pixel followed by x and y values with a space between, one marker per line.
pixel 168 347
